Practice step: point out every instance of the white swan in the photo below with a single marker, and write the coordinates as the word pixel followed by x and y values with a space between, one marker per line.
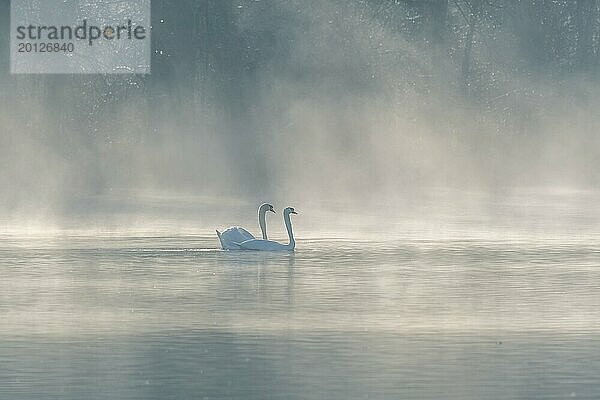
pixel 232 236
pixel 270 245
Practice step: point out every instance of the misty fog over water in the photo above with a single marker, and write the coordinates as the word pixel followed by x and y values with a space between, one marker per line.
pixel 348 103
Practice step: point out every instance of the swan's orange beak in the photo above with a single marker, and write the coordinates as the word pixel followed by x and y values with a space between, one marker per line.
pixel 293 212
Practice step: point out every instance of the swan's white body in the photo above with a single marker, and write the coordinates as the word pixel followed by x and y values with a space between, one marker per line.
pixel 271 245
pixel 231 237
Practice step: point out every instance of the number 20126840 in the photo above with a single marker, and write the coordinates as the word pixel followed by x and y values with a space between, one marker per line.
pixel 45 47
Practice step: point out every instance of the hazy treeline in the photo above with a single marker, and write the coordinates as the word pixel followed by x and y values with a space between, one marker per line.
pixel 330 99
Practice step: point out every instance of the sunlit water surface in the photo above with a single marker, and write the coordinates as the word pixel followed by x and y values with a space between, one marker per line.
pixel 452 316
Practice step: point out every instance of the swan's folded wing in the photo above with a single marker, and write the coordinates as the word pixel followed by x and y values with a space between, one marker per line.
pixel 230 237
pixel 236 234
pixel 247 235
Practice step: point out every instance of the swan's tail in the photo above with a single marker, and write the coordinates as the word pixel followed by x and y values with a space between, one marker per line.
pixel 220 240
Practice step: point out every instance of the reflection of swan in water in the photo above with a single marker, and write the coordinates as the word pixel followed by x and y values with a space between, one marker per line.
pixel 232 236
pixel 270 245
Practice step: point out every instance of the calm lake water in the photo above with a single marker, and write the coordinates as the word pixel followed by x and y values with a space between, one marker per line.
pixel 461 314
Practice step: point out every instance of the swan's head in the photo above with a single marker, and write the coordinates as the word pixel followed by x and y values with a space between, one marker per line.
pixel 267 207
pixel 289 210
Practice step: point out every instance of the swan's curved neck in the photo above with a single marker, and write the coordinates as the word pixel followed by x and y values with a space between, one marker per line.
pixel 288 226
pixel 262 222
